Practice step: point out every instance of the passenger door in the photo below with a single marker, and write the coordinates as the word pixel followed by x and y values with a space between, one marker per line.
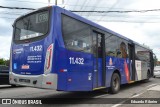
pixel 131 47
pixel 99 72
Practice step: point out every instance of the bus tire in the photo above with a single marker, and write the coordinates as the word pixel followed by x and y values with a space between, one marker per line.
pixel 115 83
pixel 13 85
pixel 148 76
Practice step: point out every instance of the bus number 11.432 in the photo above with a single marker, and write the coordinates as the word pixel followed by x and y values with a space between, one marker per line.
pixel 76 60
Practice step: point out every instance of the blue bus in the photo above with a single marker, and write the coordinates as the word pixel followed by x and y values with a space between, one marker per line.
pixel 53 48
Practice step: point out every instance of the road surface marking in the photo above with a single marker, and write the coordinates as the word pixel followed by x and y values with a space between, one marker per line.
pixel 100 96
pixel 116 105
pixel 137 95
pixel 151 85
pixel 155 88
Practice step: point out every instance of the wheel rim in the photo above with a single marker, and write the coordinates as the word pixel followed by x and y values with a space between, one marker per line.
pixel 115 83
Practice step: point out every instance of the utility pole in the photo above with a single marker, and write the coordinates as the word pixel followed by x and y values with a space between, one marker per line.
pixel 56 2
pixel 48 2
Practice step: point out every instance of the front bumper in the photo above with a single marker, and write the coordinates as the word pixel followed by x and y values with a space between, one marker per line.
pixel 48 81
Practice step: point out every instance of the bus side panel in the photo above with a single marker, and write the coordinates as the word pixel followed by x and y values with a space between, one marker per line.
pixel 79 73
pixel 141 70
pixel 60 55
pixel 100 72
pixel 78 81
pixel 61 67
pixel 120 64
pixel 97 73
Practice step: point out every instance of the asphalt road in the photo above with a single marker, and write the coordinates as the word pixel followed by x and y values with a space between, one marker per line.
pixel 142 89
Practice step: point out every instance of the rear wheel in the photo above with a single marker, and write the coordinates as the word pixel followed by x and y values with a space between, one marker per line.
pixel 115 83
pixel 148 76
pixel 13 85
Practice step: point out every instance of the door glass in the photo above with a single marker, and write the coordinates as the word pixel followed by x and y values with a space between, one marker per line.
pixel 99 46
pixel 97 51
pixel 95 44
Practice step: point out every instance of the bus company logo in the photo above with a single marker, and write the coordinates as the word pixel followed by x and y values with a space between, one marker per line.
pixel 6 101
pixel 110 62
pixel 17 51
pixel 25 67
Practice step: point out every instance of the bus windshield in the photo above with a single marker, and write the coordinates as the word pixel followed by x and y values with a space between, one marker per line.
pixel 32 26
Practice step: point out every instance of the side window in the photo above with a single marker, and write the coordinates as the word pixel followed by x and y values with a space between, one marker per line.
pixel 76 34
pixel 142 53
pixel 97 44
pixel 111 45
pixel 122 51
pixel 116 46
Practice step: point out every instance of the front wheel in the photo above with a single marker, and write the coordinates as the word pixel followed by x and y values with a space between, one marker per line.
pixel 115 83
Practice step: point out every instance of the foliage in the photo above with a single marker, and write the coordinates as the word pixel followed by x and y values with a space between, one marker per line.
pixel 4 62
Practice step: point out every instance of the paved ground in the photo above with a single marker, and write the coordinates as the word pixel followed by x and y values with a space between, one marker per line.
pixel 153 92
pixel 149 89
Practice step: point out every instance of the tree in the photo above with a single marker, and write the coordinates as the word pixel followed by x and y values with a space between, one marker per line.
pixel 7 62
pixel 2 61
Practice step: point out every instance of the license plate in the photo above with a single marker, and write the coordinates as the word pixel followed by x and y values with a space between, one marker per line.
pixel 24 80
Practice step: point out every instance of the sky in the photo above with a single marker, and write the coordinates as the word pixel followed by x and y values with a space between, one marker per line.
pixel 142 27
